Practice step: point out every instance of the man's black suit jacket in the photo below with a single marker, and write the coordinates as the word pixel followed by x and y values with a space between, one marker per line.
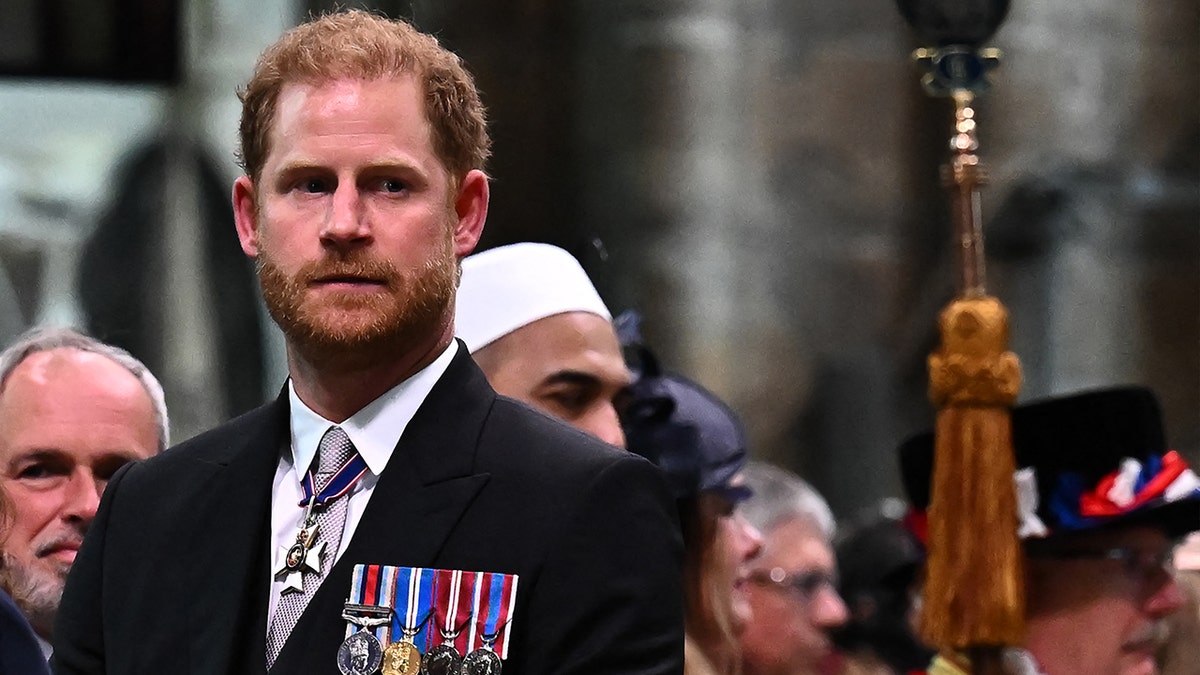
pixel 174 574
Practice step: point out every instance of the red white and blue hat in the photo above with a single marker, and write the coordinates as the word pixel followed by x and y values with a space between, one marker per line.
pixel 1092 460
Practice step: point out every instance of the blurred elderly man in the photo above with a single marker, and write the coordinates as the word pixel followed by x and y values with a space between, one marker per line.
pixel 538 329
pixel 792 585
pixel 73 410
pixel 1101 500
pixel 1181 653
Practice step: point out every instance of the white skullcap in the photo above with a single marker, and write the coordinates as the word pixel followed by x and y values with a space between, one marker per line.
pixel 505 288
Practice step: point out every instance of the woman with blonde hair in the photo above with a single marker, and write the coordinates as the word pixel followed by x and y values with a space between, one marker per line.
pixel 699 443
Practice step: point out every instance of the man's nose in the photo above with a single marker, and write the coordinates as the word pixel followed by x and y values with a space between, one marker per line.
pixel 345 222
pixel 829 610
pixel 751 539
pixel 1166 600
pixel 82 497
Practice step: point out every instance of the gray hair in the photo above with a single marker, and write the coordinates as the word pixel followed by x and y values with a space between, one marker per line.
pixel 780 496
pixel 44 339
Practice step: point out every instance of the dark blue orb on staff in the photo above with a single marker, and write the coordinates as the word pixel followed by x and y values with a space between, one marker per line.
pixel 954 22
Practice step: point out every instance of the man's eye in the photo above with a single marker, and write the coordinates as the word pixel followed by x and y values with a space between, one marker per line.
pixel 41 473
pixel 573 401
pixel 33 472
pixel 313 186
pixel 391 185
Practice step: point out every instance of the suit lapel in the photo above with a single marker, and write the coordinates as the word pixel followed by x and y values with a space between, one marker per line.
pixel 227 620
pixel 420 496
pixel 429 480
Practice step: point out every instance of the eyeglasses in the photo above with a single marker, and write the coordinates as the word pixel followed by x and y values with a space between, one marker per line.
pixel 803 585
pixel 1151 568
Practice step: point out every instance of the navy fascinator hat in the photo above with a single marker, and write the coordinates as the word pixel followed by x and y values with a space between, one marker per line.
pixel 693 436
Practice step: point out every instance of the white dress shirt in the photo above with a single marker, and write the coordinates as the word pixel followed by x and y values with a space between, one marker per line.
pixel 374 430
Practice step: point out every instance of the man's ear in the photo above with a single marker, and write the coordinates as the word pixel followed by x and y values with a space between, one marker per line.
pixel 245 215
pixel 470 207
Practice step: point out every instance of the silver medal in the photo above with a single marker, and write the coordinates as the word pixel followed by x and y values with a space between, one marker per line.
pixel 443 659
pixel 360 654
pixel 482 661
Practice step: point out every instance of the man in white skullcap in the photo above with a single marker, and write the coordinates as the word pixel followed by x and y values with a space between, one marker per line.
pixel 535 324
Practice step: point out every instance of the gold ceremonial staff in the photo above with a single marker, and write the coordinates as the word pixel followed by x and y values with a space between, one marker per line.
pixel 974 597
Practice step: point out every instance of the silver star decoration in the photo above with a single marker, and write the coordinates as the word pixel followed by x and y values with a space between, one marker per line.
pixel 293 580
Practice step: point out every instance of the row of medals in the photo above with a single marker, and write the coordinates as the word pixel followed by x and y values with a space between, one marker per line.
pixel 361 653
pixel 402 657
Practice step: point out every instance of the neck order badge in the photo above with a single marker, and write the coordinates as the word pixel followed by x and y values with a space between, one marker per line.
pixel 436 616
pixel 326 488
pixel 302 557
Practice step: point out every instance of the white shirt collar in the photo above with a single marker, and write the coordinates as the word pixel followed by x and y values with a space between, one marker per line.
pixel 375 429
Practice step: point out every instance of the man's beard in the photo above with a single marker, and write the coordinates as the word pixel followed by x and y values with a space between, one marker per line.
pixel 36 591
pixel 359 329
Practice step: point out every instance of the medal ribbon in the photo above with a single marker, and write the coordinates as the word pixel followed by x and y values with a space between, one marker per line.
pixel 344 479
pixel 495 594
pixel 416 585
pixel 438 600
pixel 452 608
pixel 463 612
pixel 368 586
pixel 508 604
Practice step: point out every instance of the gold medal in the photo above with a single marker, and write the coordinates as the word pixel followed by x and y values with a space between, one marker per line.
pixel 401 658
